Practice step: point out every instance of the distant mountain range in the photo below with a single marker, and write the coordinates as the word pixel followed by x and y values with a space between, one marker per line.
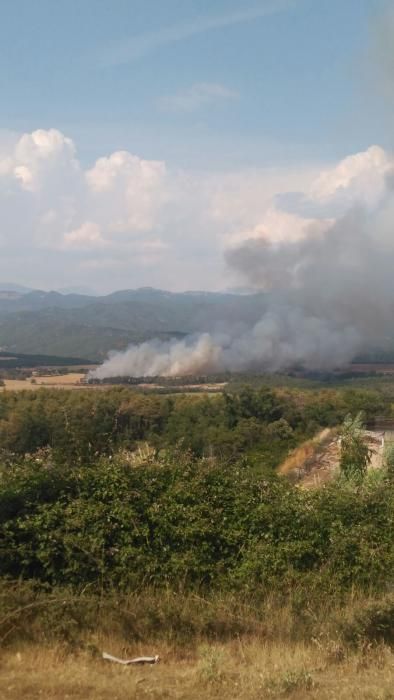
pixel 36 322
pixel 12 287
pixel 80 325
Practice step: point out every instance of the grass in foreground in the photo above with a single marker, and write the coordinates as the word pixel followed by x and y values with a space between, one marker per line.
pixel 244 670
pixel 209 648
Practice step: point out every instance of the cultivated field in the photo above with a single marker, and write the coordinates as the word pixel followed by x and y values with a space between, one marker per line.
pixel 75 380
pixel 60 381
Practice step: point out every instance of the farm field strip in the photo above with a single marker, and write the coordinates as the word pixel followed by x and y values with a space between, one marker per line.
pixel 62 381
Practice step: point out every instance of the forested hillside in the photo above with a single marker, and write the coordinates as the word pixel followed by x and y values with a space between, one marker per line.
pixel 77 325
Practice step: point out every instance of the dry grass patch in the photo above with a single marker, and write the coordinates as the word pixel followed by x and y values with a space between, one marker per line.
pixel 56 381
pixel 302 458
pixel 238 670
pixel 60 379
pixel 66 381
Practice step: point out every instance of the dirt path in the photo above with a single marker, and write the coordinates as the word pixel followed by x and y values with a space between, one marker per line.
pixel 316 461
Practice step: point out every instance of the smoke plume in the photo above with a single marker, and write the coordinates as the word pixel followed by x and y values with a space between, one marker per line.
pixel 331 295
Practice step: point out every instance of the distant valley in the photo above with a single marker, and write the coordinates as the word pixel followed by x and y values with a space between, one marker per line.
pixel 83 326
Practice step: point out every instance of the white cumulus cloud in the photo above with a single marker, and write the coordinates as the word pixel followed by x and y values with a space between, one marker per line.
pixel 146 223
pixel 126 191
pixel 86 236
pixel 361 179
pixel 39 156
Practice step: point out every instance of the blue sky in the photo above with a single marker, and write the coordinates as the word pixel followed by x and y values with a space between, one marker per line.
pixel 297 71
pixel 222 108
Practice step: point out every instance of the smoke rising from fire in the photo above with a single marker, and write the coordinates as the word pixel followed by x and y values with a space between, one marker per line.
pixel 331 290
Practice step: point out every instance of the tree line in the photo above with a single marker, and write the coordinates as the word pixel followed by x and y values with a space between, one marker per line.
pixel 261 424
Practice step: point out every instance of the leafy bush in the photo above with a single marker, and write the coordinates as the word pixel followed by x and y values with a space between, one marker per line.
pixel 190 523
pixel 355 453
pixel 372 621
pixel 389 462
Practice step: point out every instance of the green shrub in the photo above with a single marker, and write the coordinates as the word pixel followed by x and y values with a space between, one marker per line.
pixel 355 453
pixel 372 621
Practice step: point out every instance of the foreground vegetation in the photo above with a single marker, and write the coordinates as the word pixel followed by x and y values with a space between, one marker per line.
pixel 262 425
pixel 240 670
pixel 188 523
pixel 218 647
pixel 140 524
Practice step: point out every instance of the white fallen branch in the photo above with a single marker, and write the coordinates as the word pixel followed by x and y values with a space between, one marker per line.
pixel 139 660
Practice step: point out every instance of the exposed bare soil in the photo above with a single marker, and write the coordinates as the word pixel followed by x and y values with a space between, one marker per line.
pixel 317 461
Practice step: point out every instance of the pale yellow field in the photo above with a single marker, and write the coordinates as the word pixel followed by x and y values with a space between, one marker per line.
pixel 62 381
pixel 74 380
pixel 238 670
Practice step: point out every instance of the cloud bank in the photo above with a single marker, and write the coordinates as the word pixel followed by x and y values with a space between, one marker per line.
pixel 124 221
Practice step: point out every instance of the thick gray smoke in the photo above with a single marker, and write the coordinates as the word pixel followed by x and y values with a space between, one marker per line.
pixel 332 295
pixel 278 340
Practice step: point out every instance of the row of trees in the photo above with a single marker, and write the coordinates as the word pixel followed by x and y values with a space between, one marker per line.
pixel 262 424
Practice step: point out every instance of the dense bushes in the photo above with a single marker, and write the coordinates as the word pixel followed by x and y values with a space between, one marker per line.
pixel 198 515
pixel 371 621
pixel 183 522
